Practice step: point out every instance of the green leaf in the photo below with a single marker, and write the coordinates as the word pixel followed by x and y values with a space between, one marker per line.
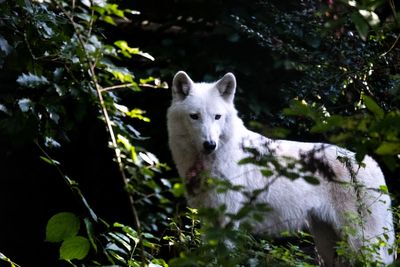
pixel 370 16
pixel 31 80
pixel 109 20
pixel 266 173
pixel 361 25
pixel 249 160
pixel 373 106
pixel 127 51
pixel 50 161
pixel 388 148
pixel 302 108
pixel 384 189
pixel 90 232
pixel 138 114
pixel 62 226
pixel 311 180
pixel 178 190
pixel 76 247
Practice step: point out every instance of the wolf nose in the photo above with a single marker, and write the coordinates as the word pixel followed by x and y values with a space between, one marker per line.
pixel 209 146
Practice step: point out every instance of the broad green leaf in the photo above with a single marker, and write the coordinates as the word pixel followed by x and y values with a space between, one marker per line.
pixel 62 226
pixel 31 80
pixel 388 148
pixel 109 20
pixel 76 247
pixel 114 10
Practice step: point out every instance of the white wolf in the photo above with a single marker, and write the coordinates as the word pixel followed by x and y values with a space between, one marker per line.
pixel 206 134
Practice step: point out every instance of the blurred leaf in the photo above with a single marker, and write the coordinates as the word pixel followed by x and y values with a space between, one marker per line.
pixel 370 16
pixel 361 25
pixel 178 190
pixel 384 189
pixel 137 113
pixel 24 104
pixel 302 108
pixel 31 80
pixel 266 172
pixel 311 180
pixel 62 226
pixel 50 161
pixel 388 148
pixel 373 106
pixel 109 20
pixel 5 46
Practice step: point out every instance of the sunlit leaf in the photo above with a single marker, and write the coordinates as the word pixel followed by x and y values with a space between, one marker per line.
pixel 384 189
pixel 109 20
pixel 5 47
pixel 370 16
pixel 137 113
pixel 31 80
pixel 51 142
pixel 49 160
pixel 24 104
pixel 127 51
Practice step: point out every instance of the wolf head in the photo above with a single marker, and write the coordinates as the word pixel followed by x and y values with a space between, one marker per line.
pixel 200 112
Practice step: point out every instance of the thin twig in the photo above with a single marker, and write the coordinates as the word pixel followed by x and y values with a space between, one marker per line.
pixel 92 66
pixel 109 88
pixel 126 85
pixel 393 46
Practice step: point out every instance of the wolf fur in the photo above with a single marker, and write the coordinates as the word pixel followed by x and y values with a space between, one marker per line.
pixel 206 135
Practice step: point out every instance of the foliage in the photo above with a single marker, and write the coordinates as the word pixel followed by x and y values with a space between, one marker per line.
pixel 59 65
pixel 348 83
pixel 63 64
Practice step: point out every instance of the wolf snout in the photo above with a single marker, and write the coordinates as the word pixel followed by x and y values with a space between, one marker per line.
pixel 209 146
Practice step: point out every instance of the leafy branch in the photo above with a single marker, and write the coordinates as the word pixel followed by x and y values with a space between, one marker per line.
pixel 92 69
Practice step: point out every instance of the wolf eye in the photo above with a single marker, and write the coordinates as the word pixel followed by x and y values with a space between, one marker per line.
pixel 194 116
pixel 217 117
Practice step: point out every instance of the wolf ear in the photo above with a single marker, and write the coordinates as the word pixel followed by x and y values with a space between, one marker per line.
pixel 181 85
pixel 227 86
